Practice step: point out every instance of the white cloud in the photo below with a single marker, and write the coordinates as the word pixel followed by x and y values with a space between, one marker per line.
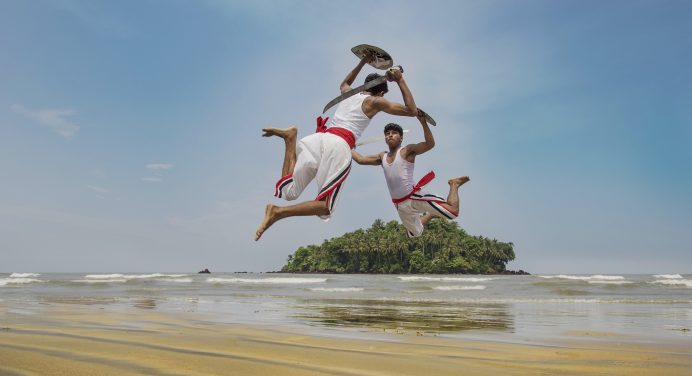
pixel 152 179
pixel 157 169
pixel 54 119
pixel 100 190
pixel 159 166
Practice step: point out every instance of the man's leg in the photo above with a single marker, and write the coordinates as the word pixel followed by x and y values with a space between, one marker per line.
pixel 273 213
pixel 453 197
pixel 452 203
pixel 426 218
pixel 289 135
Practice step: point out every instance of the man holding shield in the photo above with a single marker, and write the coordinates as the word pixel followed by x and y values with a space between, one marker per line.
pixel 326 154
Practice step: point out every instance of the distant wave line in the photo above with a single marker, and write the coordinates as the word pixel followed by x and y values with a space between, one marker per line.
pixel 585 278
pixel 132 276
pixel 24 275
pixel 449 288
pixel 669 276
pixel 18 281
pixel 674 282
pixel 267 280
pixel 113 280
pixel 178 280
pixel 447 279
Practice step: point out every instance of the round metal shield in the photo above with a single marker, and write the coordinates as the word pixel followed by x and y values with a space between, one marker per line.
pixel 382 59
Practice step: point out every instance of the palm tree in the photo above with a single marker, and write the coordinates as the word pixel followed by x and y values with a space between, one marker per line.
pixel 444 246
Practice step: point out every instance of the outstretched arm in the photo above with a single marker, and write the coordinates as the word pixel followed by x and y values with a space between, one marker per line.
pixel 421 147
pixel 351 76
pixel 408 108
pixel 372 160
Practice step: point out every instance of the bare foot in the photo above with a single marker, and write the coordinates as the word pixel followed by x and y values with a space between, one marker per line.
pixel 285 133
pixel 427 218
pixel 269 219
pixel 459 181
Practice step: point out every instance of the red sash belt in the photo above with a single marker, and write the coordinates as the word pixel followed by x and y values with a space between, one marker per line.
pixel 421 183
pixel 345 134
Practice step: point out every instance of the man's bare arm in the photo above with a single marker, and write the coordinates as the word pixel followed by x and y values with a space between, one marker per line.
pixel 371 160
pixel 407 109
pixel 421 147
pixel 351 76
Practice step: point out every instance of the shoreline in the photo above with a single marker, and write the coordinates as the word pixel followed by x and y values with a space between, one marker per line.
pixel 74 339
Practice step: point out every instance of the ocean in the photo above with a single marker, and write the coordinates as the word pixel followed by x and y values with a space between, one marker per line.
pixel 648 308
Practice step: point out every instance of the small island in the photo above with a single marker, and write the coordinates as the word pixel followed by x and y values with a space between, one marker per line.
pixel 384 248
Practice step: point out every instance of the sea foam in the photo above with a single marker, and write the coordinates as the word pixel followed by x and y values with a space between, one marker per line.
pixel 446 279
pixel 450 288
pixel 100 280
pixel 24 275
pixel 337 289
pixel 610 282
pixel 267 280
pixel 177 280
pixel 674 282
pixel 668 276
pixel 585 278
pixel 18 281
pixel 132 276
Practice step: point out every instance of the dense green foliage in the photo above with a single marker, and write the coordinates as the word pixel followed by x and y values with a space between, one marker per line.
pixel 384 248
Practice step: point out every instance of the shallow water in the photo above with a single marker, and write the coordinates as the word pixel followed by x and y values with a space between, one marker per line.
pixel 646 308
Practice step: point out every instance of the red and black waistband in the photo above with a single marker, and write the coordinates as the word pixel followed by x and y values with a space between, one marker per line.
pixel 427 178
pixel 345 134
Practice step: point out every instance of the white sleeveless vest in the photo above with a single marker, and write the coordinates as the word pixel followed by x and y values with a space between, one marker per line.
pixel 349 115
pixel 399 175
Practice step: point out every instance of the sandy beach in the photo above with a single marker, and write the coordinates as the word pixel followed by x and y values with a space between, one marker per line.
pixel 73 339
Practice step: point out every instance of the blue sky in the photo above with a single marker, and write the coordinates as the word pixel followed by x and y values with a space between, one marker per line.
pixel 130 131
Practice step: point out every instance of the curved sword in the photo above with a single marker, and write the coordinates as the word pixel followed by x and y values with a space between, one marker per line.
pixel 360 89
pixel 373 140
pixel 428 118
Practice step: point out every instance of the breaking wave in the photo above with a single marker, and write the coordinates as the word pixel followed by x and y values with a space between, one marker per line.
pixel 132 276
pixel 278 280
pixel 18 281
pixel 337 289
pixel 674 282
pixel 450 288
pixel 100 280
pixel 609 282
pixel 447 279
pixel 597 277
pixel 24 275
pixel 668 276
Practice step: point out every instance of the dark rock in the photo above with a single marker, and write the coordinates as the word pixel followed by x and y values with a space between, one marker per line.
pixel 513 272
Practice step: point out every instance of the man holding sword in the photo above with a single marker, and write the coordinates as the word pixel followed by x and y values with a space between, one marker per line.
pixel 326 154
pixel 415 206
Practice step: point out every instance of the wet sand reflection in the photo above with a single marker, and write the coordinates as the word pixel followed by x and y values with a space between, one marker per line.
pixel 421 316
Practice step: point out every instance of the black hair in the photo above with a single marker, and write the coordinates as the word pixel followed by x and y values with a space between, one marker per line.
pixel 376 89
pixel 394 127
